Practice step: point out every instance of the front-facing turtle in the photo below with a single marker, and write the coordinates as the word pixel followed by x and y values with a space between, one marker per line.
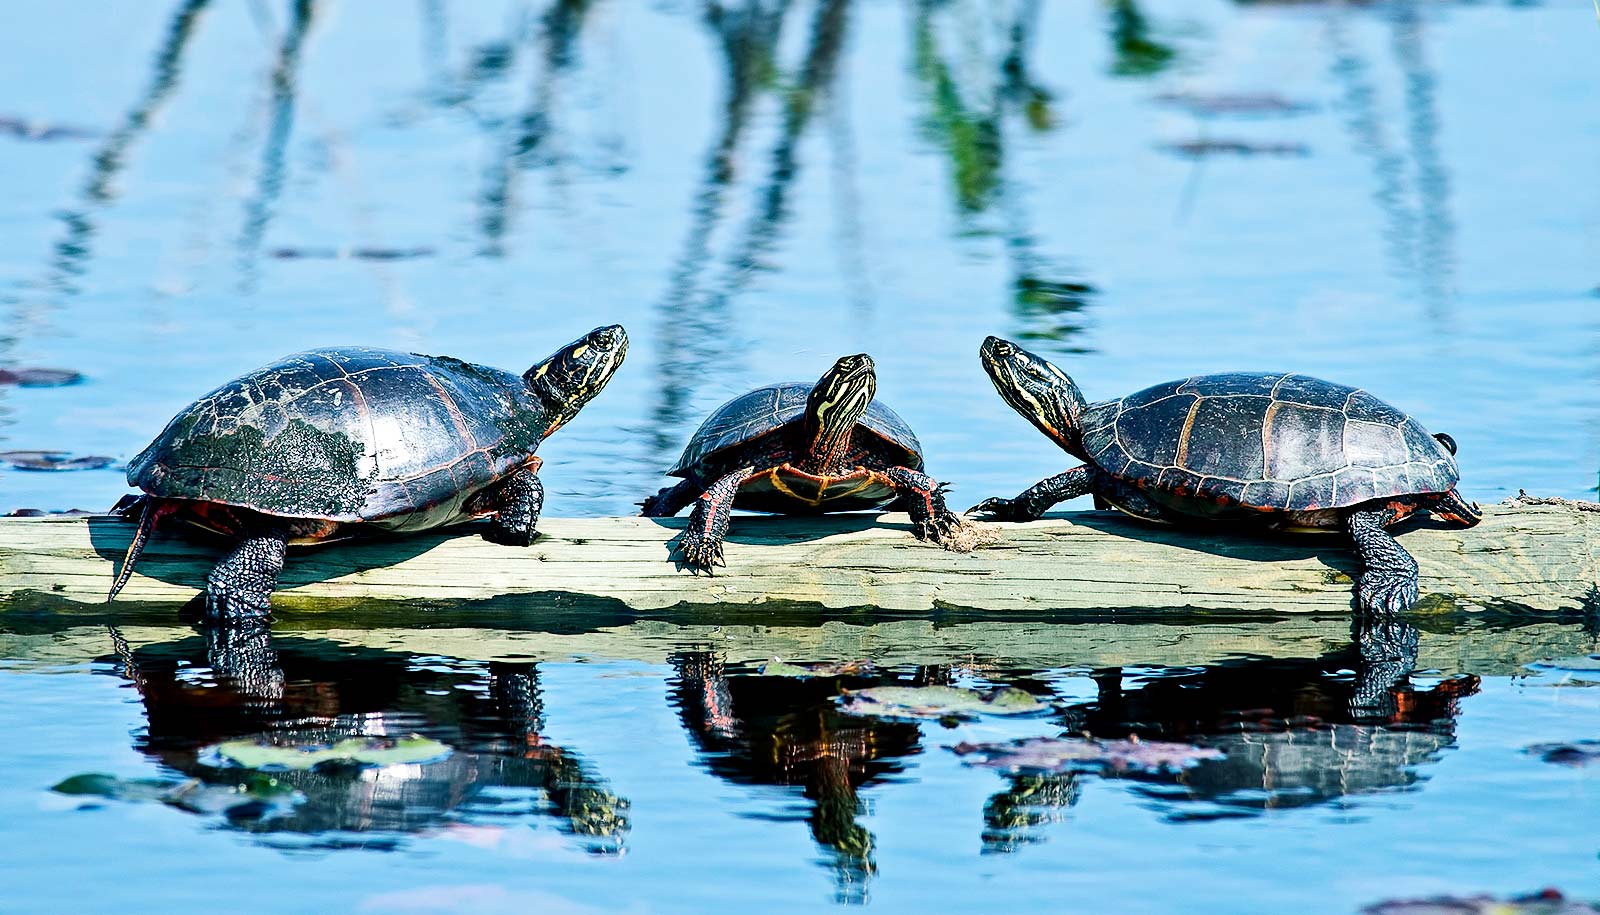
pixel 1284 451
pixel 329 443
pixel 798 448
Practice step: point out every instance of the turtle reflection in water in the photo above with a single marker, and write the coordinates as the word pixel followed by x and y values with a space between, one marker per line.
pixel 300 693
pixel 1295 732
pixel 774 730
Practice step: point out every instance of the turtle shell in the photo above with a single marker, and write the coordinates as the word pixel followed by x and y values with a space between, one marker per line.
pixel 768 409
pixel 347 434
pixel 1272 442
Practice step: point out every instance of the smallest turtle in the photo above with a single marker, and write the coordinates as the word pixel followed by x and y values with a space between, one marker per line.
pixel 798 448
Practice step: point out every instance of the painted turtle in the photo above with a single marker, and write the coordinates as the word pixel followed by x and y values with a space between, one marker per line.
pixel 1287 451
pixel 799 448
pixel 329 443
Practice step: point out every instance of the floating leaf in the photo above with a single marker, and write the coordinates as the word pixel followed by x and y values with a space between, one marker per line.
pixel 100 784
pixel 1246 104
pixel 1195 149
pixel 52 461
pixel 1577 753
pixel 366 751
pixel 779 668
pixel 1545 902
pixel 1085 754
pixel 24 129
pixel 366 254
pixel 939 702
pixel 190 794
pixel 39 378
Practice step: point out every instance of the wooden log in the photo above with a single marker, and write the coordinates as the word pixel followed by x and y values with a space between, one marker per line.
pixel 1522 558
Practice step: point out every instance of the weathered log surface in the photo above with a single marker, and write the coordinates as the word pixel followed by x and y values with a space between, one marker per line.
pixel 1522 558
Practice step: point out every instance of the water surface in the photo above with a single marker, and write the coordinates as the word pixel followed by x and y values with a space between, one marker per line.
pixel 1394 195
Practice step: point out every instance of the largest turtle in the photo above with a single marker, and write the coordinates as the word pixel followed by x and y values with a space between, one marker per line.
pixel 328 443
pixel 1284 451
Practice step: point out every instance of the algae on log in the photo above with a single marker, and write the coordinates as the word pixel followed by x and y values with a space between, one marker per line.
pixel 1540 558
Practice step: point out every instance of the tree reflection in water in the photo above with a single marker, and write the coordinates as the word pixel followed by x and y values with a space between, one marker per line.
pixel 241 683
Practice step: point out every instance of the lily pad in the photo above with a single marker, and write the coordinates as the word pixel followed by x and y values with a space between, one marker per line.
pixel 364 751
pixel 779 668
pixel 39 378
pixel 1242 104
pixel 1085 754
pixel 52 461
pixel 26 129
pixel 939 702
pixel 1197 149
pixel 190 794
pixel 1545 902
pixel 1577 753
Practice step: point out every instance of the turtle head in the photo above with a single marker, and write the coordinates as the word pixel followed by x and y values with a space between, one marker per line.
pixel 1042 393
pixel 837 402
pixel 575 373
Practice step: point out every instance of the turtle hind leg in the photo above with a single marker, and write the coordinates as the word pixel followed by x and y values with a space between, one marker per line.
pixel 700 547
pixel 1388 581
pixel 240 586
pixel 1038 498
pixel 517 502
pixel 671 499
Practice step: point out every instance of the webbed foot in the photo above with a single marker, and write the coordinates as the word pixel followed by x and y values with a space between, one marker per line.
pixel 1386 591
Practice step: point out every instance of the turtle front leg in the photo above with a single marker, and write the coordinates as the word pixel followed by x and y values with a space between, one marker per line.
pixel 519 501
pixel 700 547
pixel 931 519
pixel 1389 578
pixel 240 586
pixel 1038 498
pixel 671 499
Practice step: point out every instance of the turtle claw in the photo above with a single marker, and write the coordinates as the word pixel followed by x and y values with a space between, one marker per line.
pixel 937 528
pixel 700 553
pixel 1384 593
pixel 997 509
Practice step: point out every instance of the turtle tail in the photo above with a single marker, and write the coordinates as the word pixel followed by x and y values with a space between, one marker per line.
pixel 154 509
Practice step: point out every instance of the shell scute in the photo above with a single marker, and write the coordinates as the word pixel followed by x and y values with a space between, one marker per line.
pixel 1151 432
